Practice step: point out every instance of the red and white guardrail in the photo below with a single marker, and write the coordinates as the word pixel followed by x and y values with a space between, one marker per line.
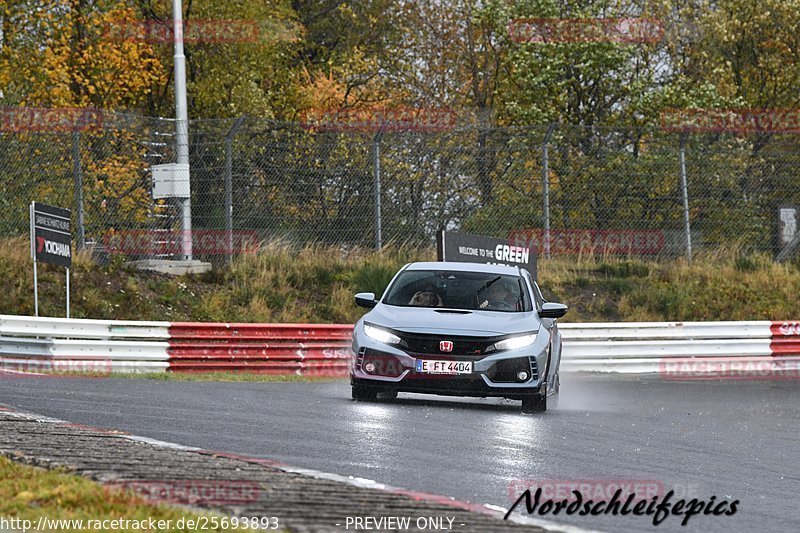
pixel 59 344
pixel 670 348
pixel 678 350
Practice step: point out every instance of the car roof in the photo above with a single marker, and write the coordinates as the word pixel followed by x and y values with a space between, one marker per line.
pixel 464 267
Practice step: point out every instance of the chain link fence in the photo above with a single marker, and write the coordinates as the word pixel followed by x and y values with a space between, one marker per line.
pixel 643 192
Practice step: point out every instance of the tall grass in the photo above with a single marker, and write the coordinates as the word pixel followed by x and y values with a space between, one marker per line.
pixel 284 283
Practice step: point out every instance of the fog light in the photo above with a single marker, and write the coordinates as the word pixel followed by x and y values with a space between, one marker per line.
pixel 522 376
pixel 370 367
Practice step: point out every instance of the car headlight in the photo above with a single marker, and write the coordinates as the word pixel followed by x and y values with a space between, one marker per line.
pixel 514 343
pixel 381 335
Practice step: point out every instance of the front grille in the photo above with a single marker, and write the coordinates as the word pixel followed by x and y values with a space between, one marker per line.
pixel 534 368
pixel 419 343
pixel 360 358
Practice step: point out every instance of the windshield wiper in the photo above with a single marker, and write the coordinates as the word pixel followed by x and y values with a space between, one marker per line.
pixel 486 285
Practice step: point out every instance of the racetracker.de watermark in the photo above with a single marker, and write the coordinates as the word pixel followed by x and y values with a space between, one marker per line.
pixel 599 489
pixel 380 119
pixel 18 367
pixel 49 119
pixel 731 120
pixel 585 30
pixel 337 363
pixel 193 491
pixel 734 368
pixel 194 31
pixel 566 241
pixel 170 242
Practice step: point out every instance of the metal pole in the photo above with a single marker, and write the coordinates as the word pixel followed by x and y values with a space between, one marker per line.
pixel 35 271
pixel 182 125
pixel 685 192
pixel 67 292
pixel 546 189
pixel 229 185
pixel 35 289
pixel 376 154
pixel 77 172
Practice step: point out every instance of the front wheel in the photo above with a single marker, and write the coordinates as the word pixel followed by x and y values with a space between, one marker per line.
pixel 534 404
pixel 553 401
pixel 387 395
pixel 364 394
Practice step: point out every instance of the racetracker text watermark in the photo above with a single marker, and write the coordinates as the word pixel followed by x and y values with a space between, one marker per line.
pixel 194 31
pixel 600 488
pixel 731 120
pixel 375 119
pixel 49 120
pixel 200 523
pixel 738 368
pixel 566 241
pixel 336 364
pixel 193 491
pixel 585 30
pixel 18 367
pixel 168 242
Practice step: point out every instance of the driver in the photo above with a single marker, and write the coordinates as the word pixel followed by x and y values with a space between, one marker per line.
pixel 500 293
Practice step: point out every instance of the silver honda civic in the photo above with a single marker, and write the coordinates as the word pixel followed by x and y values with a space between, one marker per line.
pixel 459 329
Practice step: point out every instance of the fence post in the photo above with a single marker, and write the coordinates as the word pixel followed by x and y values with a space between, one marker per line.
pixel 77 174
pixel 685 192
pixel 546 188
pixel 376 157
pixel 229 186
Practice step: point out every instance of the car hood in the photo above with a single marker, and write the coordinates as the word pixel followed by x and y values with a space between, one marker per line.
pixel 472 323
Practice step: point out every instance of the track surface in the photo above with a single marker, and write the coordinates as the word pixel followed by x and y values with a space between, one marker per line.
pixel 734 440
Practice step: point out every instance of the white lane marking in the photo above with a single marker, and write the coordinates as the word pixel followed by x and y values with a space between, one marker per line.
pixel 161 443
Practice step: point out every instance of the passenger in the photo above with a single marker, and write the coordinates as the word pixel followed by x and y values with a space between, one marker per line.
pixel 426 297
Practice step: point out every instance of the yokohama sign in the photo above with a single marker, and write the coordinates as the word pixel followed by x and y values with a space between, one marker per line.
pixel 50 235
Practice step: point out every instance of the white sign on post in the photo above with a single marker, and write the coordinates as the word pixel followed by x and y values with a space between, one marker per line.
pixel 788 224
pixel 51 242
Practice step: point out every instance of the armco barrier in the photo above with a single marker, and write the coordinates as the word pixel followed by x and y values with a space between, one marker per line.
pixel 714 348
pixel 302 349
pixel 31 343
pixel 34 344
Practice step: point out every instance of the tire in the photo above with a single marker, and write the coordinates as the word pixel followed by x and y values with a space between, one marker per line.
pixel 364 394
pixel 552 401
pixel 534 404
pixel 388 395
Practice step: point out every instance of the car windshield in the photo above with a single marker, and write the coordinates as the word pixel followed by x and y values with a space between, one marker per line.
pixel 458 290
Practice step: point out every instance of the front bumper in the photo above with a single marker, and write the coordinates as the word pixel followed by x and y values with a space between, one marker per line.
pixel 493 375
pixel 455 387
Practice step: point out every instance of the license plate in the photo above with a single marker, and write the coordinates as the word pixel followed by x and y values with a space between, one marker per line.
pixel 432 366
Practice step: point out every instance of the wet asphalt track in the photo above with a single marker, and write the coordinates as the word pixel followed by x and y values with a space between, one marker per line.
pixel 734 440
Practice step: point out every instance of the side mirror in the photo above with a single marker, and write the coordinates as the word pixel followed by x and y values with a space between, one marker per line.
pixel 366 299
pixel 553 310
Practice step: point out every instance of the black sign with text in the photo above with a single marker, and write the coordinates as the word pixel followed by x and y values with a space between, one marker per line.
pixel 468 248
pixel 51 240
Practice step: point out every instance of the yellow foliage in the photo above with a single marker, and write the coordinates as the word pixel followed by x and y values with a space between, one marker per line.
pixel 93 71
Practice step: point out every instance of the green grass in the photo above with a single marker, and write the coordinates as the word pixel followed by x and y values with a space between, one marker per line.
pixel 316 284
pixel 28 493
